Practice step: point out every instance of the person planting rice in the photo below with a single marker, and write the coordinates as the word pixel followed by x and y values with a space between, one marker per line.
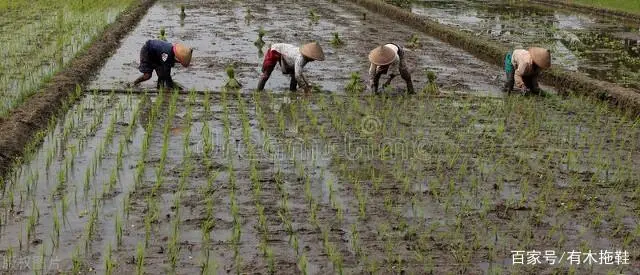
pixel 385 58
pixel 161 56
pixel 292 60
pixel 523 67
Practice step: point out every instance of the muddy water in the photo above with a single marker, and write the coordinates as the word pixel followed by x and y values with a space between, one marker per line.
pixel 225 36
pixel 602 48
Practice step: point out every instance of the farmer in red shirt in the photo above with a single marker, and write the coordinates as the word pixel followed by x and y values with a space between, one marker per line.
pixel 292 60
pixel 161 56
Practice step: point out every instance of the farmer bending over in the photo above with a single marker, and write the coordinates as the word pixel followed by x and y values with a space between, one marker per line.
pixel 523 67
pixel 292 60
pixel 160 56
pixel 384 58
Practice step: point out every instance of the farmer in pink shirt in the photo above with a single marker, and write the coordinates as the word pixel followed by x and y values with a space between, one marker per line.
pixel 523 67
pixel 292 60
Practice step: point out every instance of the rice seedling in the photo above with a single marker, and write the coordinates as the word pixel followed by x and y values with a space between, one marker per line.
pixel 336 41
pixel 248 16
pixel 55 238
pixel 313 17
pixel 182 13
pixel 76 261
pixel 32 220
pixel 140 254
pixel 173 246
pixel 118 230
pixel 109 263
pixel 209 265
pixel 259 43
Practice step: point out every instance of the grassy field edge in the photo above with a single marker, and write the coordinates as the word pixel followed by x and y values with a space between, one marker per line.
pixel 592 9
pixel 20 128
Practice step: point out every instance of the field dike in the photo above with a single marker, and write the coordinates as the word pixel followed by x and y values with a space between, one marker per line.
pixel 626 99
pixel 19 128
pixel 627 16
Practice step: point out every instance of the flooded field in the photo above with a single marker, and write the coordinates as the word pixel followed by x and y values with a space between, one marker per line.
pixel 451 180
pixel 602 48
pixel 225 36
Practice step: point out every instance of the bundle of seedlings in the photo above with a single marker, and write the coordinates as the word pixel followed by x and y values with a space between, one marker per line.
pixel 232 83
pixel 355 84
pixel 259 43
pixel 314 17
pixel 413 42
pixel 162 35
pixel 336 41
pixel 432 86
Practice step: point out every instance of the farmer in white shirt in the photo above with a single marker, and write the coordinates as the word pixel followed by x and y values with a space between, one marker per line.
pixel 385 58
pixel 292 60
pixel 523 67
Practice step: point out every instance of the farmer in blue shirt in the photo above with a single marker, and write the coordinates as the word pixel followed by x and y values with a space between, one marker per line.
pixel 160 56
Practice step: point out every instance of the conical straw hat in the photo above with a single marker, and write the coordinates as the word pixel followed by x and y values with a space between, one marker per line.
pixel 541 57
pixel 382 56
pixel 312 50
pixel 183 54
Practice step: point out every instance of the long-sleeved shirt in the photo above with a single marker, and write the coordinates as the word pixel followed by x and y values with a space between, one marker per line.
pixel 394 67
pixel 292 59
pixel 523 64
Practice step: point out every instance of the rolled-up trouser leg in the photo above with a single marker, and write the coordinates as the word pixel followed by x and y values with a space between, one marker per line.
pixel 509 72
pixel 271 58
pixel 404 71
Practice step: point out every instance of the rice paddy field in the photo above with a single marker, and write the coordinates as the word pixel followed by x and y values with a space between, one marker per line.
pixel 38 39
pixel 456 179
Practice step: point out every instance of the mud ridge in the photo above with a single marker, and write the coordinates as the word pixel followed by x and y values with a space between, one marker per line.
pixel 626 99
pixel 618 14
pixel 33 115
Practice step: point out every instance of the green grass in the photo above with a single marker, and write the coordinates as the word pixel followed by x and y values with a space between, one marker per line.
pixel 632 6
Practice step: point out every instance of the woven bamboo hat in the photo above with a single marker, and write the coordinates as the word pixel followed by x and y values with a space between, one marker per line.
pixel 312 50
pixel 183 54
pixel 382 56
pixel 541 57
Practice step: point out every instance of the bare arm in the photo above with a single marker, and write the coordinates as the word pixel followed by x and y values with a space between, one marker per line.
pixel 299 75
pixel 142 78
